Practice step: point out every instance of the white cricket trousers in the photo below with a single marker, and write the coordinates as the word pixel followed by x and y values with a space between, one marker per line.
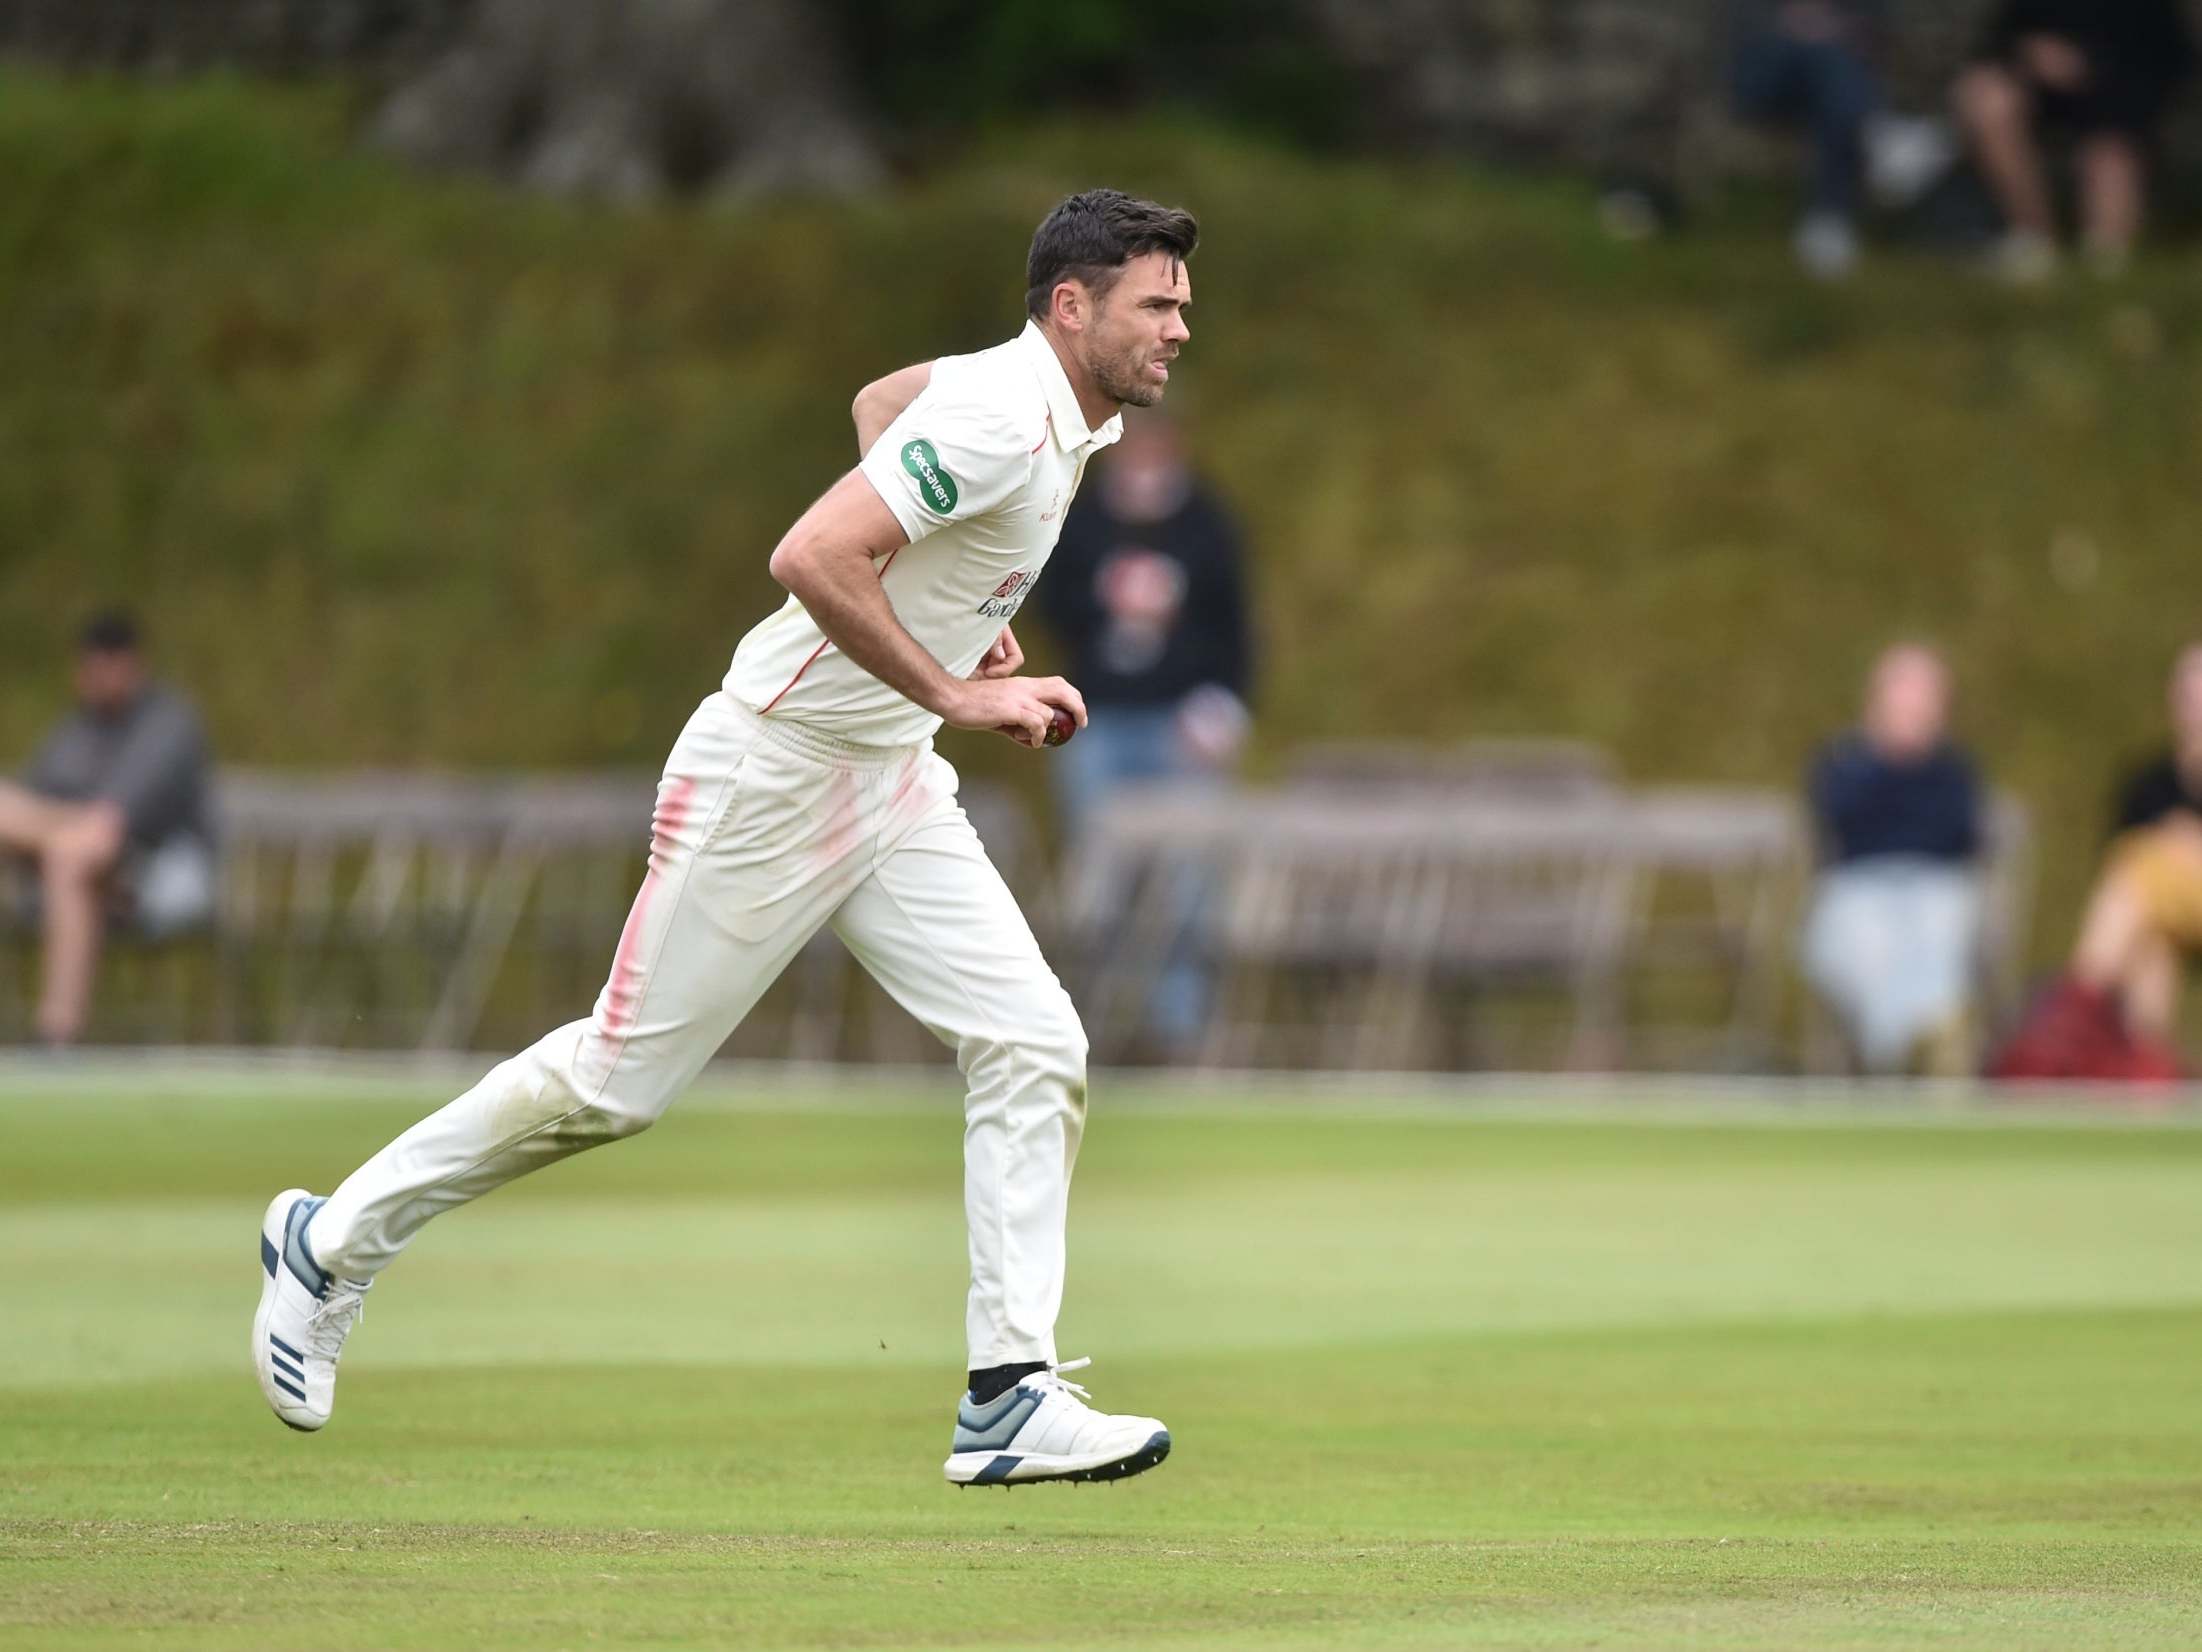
pixel 764 832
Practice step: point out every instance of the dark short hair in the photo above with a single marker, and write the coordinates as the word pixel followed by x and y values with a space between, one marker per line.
pixel 110 631
pixel 1091 237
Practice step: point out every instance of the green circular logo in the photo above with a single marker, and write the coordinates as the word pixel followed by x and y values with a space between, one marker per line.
pixel 935 486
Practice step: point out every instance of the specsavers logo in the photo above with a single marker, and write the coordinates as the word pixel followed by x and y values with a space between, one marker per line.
pixel 935 486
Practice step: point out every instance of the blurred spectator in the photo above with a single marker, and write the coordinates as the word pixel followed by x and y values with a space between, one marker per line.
pixel 1810 63
pixel 1814 64
pixel 2114 1013
pixel 2099 71
pixel 1894 926
pixel 112 817
pixel 1147 593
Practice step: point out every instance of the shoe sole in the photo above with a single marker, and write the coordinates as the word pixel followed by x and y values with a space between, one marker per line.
pixel 271 1244
pixel 1006 1469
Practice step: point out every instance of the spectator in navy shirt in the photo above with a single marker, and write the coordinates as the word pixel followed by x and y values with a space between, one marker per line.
pixel 1891 938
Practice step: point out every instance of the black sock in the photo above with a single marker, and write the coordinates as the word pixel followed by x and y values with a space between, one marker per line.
pixel 994 1382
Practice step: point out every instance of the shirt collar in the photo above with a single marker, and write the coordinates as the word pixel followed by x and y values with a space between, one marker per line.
pixel 1065 418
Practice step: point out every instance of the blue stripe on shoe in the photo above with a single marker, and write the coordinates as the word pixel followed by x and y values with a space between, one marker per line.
pixel 287 1348
pixel 992 1475
pixel 301 1260
pixel 991 1426
pixel 297 1373
pixel 267 1253
pixel 291 1389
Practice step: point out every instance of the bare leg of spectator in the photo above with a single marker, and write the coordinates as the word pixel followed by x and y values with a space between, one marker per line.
pixel 71 884
pixel 27 820
pixel 74 846
pixel 2141 909
pixel 2152 990
pixel 1996 113
pixel 2112 190
pixel 2113 935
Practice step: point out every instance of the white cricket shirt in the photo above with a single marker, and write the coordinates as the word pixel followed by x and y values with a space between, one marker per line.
pixel 978 470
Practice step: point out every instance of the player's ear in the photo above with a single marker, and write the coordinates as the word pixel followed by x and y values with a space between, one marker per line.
pixel 1071 305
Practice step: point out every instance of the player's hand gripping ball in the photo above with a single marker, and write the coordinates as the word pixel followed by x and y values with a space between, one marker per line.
pixel 1060 727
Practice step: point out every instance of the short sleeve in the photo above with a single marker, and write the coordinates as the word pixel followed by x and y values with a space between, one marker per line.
pixel 155 776
pixel 947 459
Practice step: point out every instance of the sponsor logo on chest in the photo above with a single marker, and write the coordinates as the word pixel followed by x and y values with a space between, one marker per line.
pixel 1009 596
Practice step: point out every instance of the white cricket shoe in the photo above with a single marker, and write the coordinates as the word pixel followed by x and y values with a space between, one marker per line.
pixel 1042 1429
pixel 304 1316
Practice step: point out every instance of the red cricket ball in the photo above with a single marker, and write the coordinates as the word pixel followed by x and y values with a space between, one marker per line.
pixel 1061 726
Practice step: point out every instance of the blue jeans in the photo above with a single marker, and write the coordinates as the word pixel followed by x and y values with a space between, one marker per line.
pixel 1130 746
pixel 1829 90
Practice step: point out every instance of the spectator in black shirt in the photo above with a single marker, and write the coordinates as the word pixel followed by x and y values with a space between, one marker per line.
pixel 2103 71
pixel 1895 917
pixel 2166 788
pixel 2114 1014
pixel 113 813
pixel 1147 594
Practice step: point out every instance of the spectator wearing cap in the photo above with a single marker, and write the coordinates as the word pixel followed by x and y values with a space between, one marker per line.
pixel 1894 928
pixel 111 818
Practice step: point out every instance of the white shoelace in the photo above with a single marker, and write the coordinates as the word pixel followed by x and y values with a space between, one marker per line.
pixel 333 1317
pixel 1053 1377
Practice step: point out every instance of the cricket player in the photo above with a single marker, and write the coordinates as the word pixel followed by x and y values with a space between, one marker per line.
pixel 807 792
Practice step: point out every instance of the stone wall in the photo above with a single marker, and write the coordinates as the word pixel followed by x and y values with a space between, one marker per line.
pixel 174 36
pixel 1582 84
pixel 1637 85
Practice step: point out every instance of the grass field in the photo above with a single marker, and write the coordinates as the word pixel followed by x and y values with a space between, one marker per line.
pixel 1438 1378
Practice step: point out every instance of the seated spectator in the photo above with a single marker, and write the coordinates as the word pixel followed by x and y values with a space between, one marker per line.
pixel 112 817
pixel 2101 72
pixel 1810 63
pixel 1894 925
pixel 2114 1013
pixel 1147 594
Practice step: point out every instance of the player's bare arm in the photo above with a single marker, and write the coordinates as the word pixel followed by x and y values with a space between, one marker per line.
pixel 876 407
pixel 830 562
pixel 881 402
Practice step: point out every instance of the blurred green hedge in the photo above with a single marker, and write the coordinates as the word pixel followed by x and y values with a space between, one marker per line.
pixel 413 472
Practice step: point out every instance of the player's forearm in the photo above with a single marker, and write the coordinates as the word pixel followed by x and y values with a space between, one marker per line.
pixel 845 599
pixel 881 402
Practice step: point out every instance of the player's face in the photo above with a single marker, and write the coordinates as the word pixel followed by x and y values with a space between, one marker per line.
pixel 1138 329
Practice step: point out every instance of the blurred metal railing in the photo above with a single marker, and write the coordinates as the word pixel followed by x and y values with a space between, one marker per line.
pixel 1367 929
pixel 1509 908
pixel 395 910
